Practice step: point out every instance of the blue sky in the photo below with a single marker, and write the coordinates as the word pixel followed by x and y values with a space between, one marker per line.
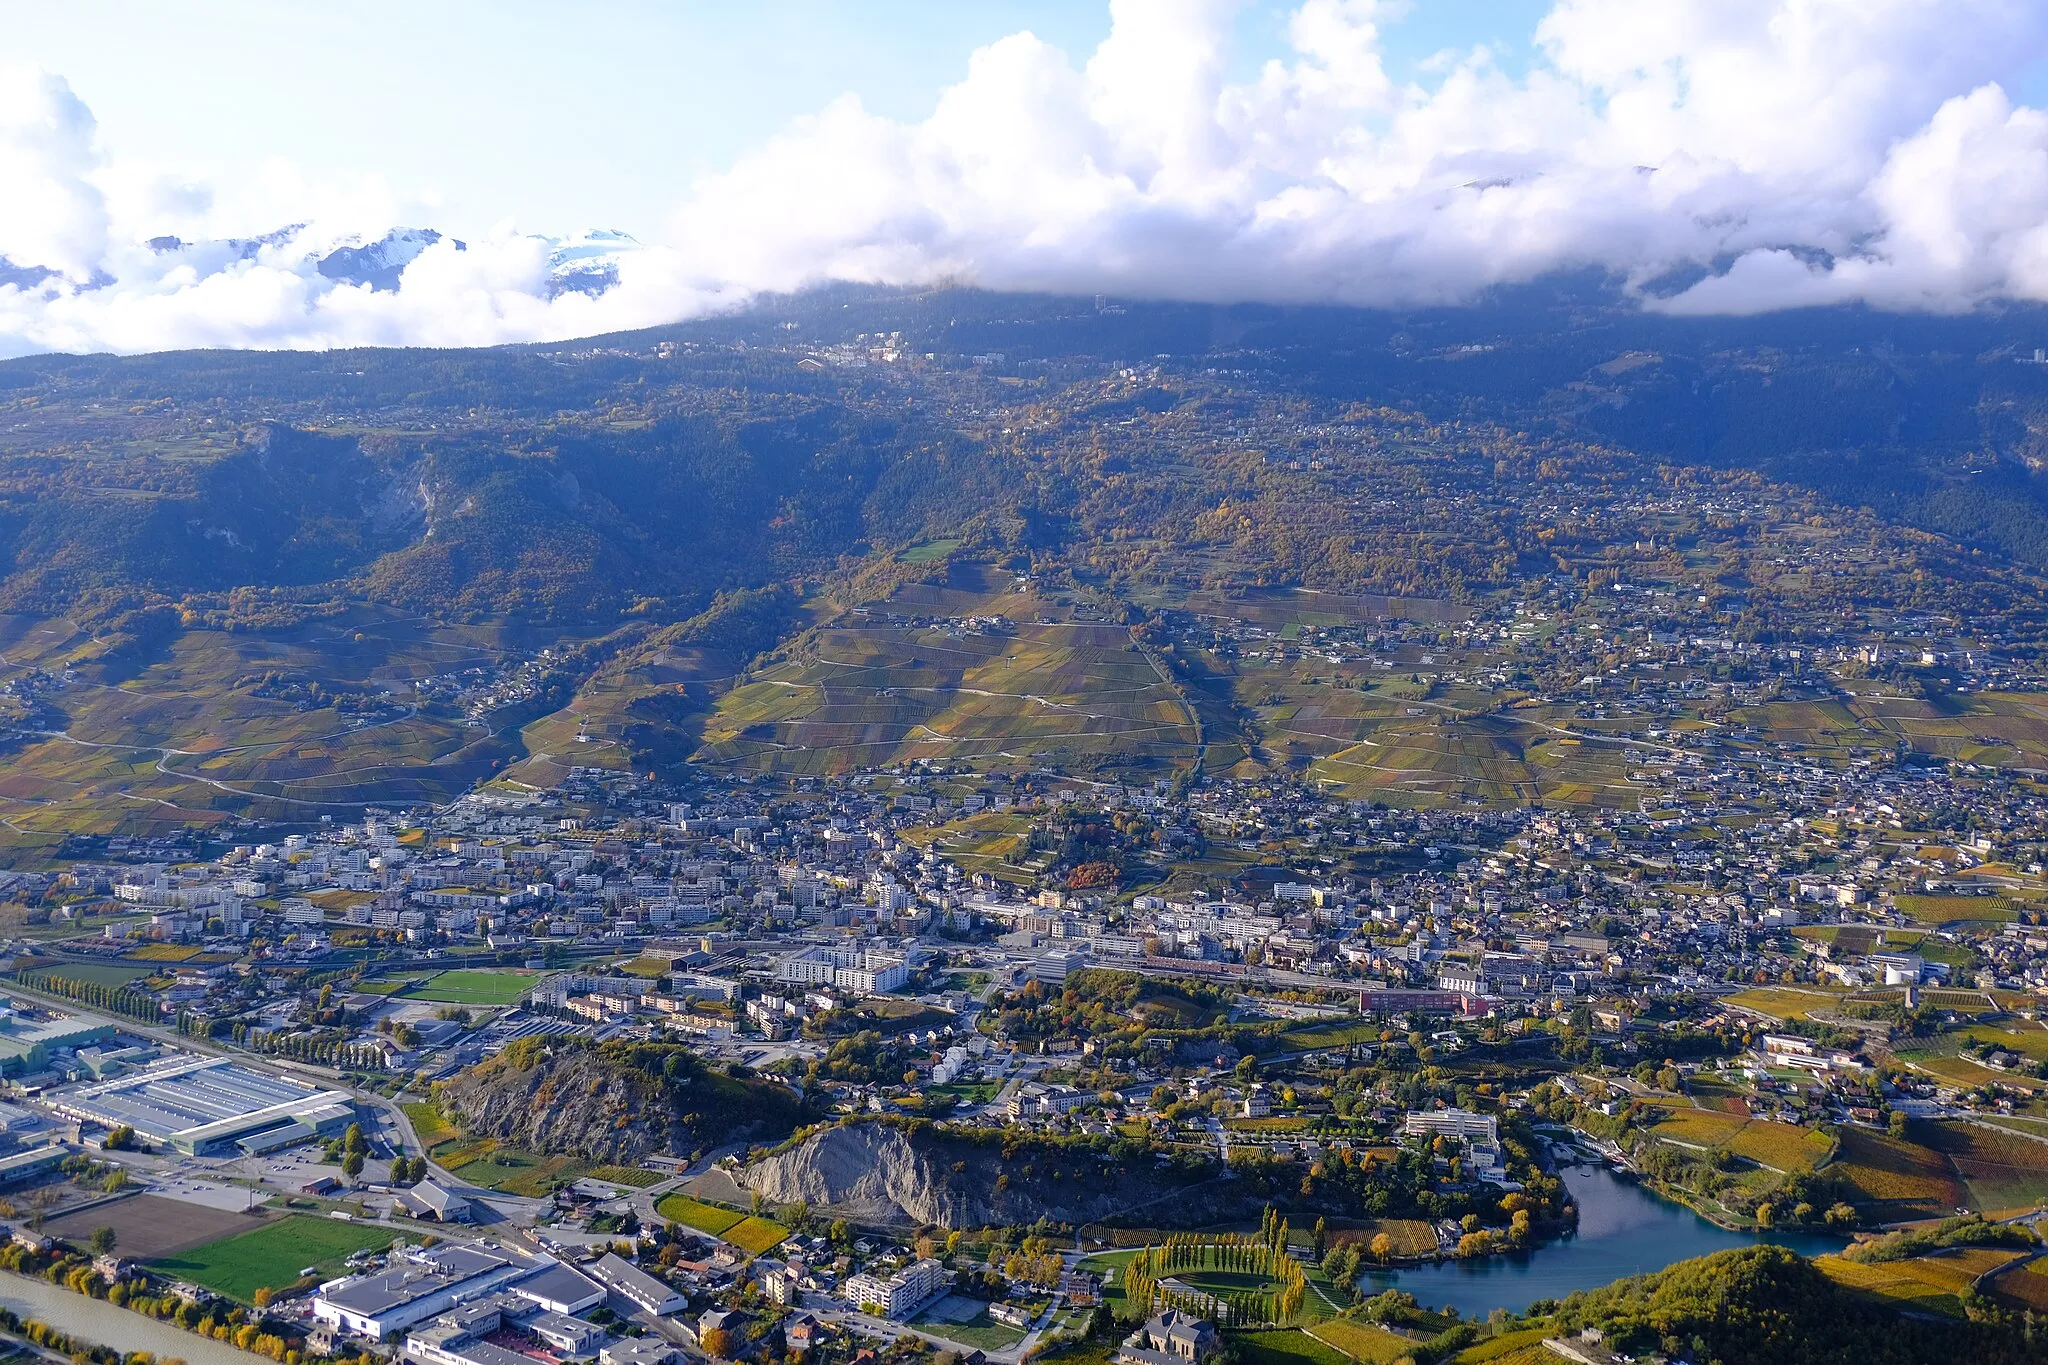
pixel 560 116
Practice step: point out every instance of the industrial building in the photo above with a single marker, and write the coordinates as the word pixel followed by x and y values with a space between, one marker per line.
pixel 418 1283
pixel 26 1043
pixel 205 1105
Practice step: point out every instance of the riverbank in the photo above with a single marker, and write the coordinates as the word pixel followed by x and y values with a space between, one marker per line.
pixel 101 1322
pixel 1707 1209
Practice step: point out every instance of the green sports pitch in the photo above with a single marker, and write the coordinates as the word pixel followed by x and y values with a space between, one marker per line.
pixel 474 987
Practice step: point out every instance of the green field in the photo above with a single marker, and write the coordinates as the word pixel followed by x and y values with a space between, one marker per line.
pixel 1334 1034
pixel 757 1235
pixel 511 1169
pixel 981 1332
pixel 428 1124
pixel 694 1213
pixel 931 552
pixel 97 973
pixel 1291 1346
pixel 1956 909
pixel 1362 1341
pixel 475 987
pixel 272 1256
pixel 635 1176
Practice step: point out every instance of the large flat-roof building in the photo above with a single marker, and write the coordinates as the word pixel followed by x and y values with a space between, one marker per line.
pixel 418 1283
pixel 899 1295
pixel 849 969
pixel 26 1044
pixel 200 1105
pixel 630 1282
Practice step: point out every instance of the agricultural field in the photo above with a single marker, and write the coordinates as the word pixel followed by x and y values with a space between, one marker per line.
pixel 148 1225
pixel 2005 1170
pixel 1925 1284
pixel 503 986
pixel 756 1236
pixel 272 1256
pixel 1937 910
pixel 2027 1037
pixel 1362 1341
pixel 163 952
pixel 509 1169
pixel 694 1213
pixel 1784 1002
pixel 1074 695
pixel 1412 1237
pixel 183 739
pixel 2024 1287
pixel 428 1123
pixel 97 973
pixel 1289 1346
pixel 1902 1179
pixel 1779 1146
pixel 1316 1037
pixel 634 1177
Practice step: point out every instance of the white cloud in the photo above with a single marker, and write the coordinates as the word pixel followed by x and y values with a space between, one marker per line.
pixel 1813 151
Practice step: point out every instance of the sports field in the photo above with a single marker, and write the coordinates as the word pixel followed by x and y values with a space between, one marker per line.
pixel 475 987
pixel 272 1256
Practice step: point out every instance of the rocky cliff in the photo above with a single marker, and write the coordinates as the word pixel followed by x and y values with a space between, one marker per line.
pixel 883 1173
pixel 613 1102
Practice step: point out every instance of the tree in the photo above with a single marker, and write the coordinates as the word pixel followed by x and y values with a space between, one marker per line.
pixel 102 1241
pixel 353 1140
pixel 352 1164
pixel 717 1342
pixel 1896 1124
pixel 262 1297
pixel 1382 1248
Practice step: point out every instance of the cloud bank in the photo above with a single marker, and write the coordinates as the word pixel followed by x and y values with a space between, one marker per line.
pixel 1718 155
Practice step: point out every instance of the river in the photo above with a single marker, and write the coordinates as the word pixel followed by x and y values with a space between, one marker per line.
pixel 1623 1230
pixel 98 1321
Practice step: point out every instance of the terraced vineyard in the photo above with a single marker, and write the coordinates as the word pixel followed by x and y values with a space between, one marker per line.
pixel 190 739
pixel 1071 694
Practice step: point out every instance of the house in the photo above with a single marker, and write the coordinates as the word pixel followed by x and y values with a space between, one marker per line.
pixel 802 1332
pixel 1170 1338
pixel 430 1199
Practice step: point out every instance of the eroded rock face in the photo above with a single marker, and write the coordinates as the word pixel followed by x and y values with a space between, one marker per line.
pixel 616 1103
pixel 883 1173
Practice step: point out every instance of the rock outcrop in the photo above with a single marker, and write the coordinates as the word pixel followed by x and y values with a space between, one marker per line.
pixel 885 1173
pixel 614 1102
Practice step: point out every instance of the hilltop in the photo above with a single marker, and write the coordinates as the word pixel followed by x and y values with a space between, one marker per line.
pixel 612 1102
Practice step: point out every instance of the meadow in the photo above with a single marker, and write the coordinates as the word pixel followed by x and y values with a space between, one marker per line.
pixel 272 1256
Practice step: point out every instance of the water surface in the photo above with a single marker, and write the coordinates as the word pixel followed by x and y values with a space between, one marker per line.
pixel 96 1320
pixel 1623 1230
